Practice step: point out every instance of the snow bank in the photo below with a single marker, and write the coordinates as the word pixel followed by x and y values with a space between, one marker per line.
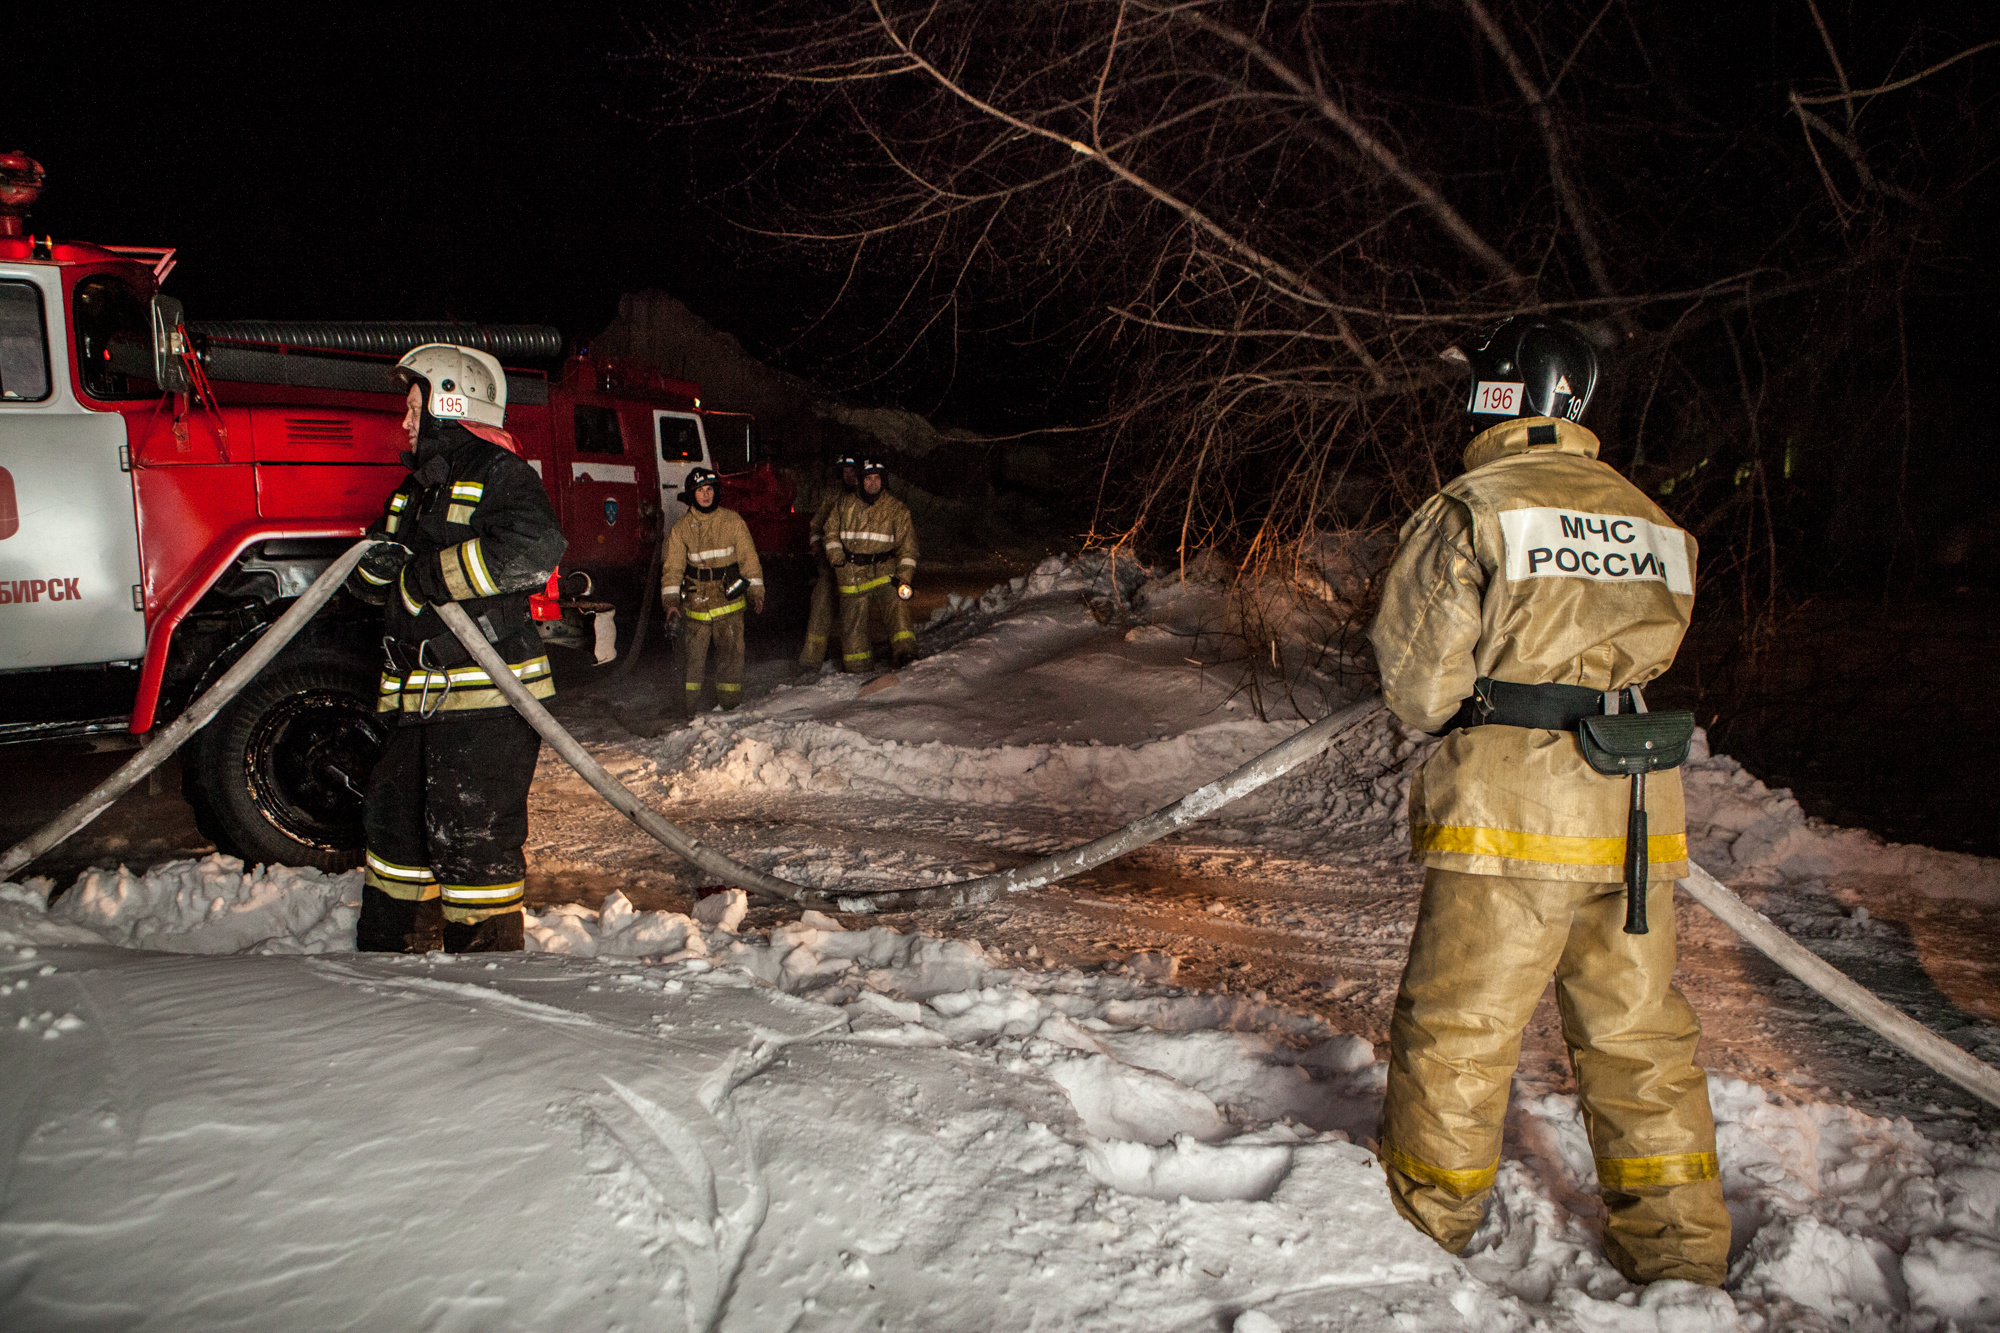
pixel 210 905
pixel 617 930
pixel 24 917
pixel 1747 833
pixel 1175 1101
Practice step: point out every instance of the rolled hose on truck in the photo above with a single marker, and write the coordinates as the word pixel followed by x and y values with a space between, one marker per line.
pixel 1976 1077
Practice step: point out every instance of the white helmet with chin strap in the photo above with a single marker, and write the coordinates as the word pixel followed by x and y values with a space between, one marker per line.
pixel 463 384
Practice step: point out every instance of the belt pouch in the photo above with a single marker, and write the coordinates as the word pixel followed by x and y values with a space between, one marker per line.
pixel 1635 744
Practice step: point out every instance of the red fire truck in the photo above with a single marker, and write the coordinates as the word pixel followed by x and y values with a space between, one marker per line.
pixel 167 488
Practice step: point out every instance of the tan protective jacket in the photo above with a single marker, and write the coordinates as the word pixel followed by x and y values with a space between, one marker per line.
pixel 859 527
pixel 1539 565
pixel 816 532
pixel 714 540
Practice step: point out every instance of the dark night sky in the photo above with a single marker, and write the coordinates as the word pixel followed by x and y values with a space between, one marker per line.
pixel 470 161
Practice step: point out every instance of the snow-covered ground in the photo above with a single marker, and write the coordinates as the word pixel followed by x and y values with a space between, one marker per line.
pixel 216 1115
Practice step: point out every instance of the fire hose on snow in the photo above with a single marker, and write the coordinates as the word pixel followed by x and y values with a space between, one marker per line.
pixel 1976 1077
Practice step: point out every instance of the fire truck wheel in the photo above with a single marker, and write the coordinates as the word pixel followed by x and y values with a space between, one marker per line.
pixel 279 774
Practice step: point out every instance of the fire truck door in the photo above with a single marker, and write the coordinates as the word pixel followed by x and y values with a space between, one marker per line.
pixel 69 535
pixel 682 447
pixel 602 516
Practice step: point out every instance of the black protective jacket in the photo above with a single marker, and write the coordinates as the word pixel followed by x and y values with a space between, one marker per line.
pixel 476 528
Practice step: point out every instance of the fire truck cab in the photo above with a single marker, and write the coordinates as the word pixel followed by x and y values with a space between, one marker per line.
pixel 167 489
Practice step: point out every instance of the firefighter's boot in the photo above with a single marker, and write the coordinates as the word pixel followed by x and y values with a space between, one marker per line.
pixel 397 925
pixel 500 933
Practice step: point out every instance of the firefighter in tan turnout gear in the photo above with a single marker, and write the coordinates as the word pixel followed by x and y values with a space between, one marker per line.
pixel 446 810
pixel 819 626
pixel 872 545
pixel 1538 589
pixel 709 572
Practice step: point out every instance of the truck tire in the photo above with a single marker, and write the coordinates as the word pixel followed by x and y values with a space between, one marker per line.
pixel 278 776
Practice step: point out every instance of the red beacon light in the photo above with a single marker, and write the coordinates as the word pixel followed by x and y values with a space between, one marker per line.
pixel 21 182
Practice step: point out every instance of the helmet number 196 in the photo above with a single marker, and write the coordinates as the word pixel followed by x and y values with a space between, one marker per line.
pixel 1497 398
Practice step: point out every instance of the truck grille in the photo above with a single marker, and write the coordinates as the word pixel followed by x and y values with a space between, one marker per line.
pixel 318 430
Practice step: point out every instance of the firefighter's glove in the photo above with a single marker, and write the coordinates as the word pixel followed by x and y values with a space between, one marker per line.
pixel 757 605
pixel 425 579
pixel 836 563
pixel 379 566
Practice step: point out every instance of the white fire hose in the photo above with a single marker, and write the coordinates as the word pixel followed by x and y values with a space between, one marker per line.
pixel 171 737
pixel 1976 1077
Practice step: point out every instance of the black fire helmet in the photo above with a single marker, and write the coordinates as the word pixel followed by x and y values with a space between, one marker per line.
pixel 1528 366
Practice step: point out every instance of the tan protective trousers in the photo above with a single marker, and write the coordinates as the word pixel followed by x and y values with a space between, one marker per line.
pixel 1484 949
pixel 819 627
pixel 725 632
pixel 857 653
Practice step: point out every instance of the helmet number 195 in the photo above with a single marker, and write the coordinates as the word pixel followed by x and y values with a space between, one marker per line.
pixel 448 405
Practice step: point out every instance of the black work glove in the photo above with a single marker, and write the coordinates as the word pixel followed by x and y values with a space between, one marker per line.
pixel 382 562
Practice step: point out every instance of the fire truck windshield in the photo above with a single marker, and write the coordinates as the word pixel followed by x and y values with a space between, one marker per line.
pixel 114 340
pixel 24 345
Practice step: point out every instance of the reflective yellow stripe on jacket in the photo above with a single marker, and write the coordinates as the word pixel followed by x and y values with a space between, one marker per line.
pixel 428 692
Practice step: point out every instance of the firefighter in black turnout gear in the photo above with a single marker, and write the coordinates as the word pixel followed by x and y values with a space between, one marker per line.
pixel 446 810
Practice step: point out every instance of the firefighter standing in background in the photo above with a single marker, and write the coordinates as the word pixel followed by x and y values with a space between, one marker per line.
pixel 446 809
pixel 1521 596
pixel 820 626
pixel 872 545
pixel 709 571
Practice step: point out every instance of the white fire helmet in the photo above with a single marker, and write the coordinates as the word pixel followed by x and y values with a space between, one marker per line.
pixel 465 384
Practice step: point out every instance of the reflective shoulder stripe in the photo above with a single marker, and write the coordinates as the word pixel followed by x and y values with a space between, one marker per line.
pixel 398 502
pixel 467 490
